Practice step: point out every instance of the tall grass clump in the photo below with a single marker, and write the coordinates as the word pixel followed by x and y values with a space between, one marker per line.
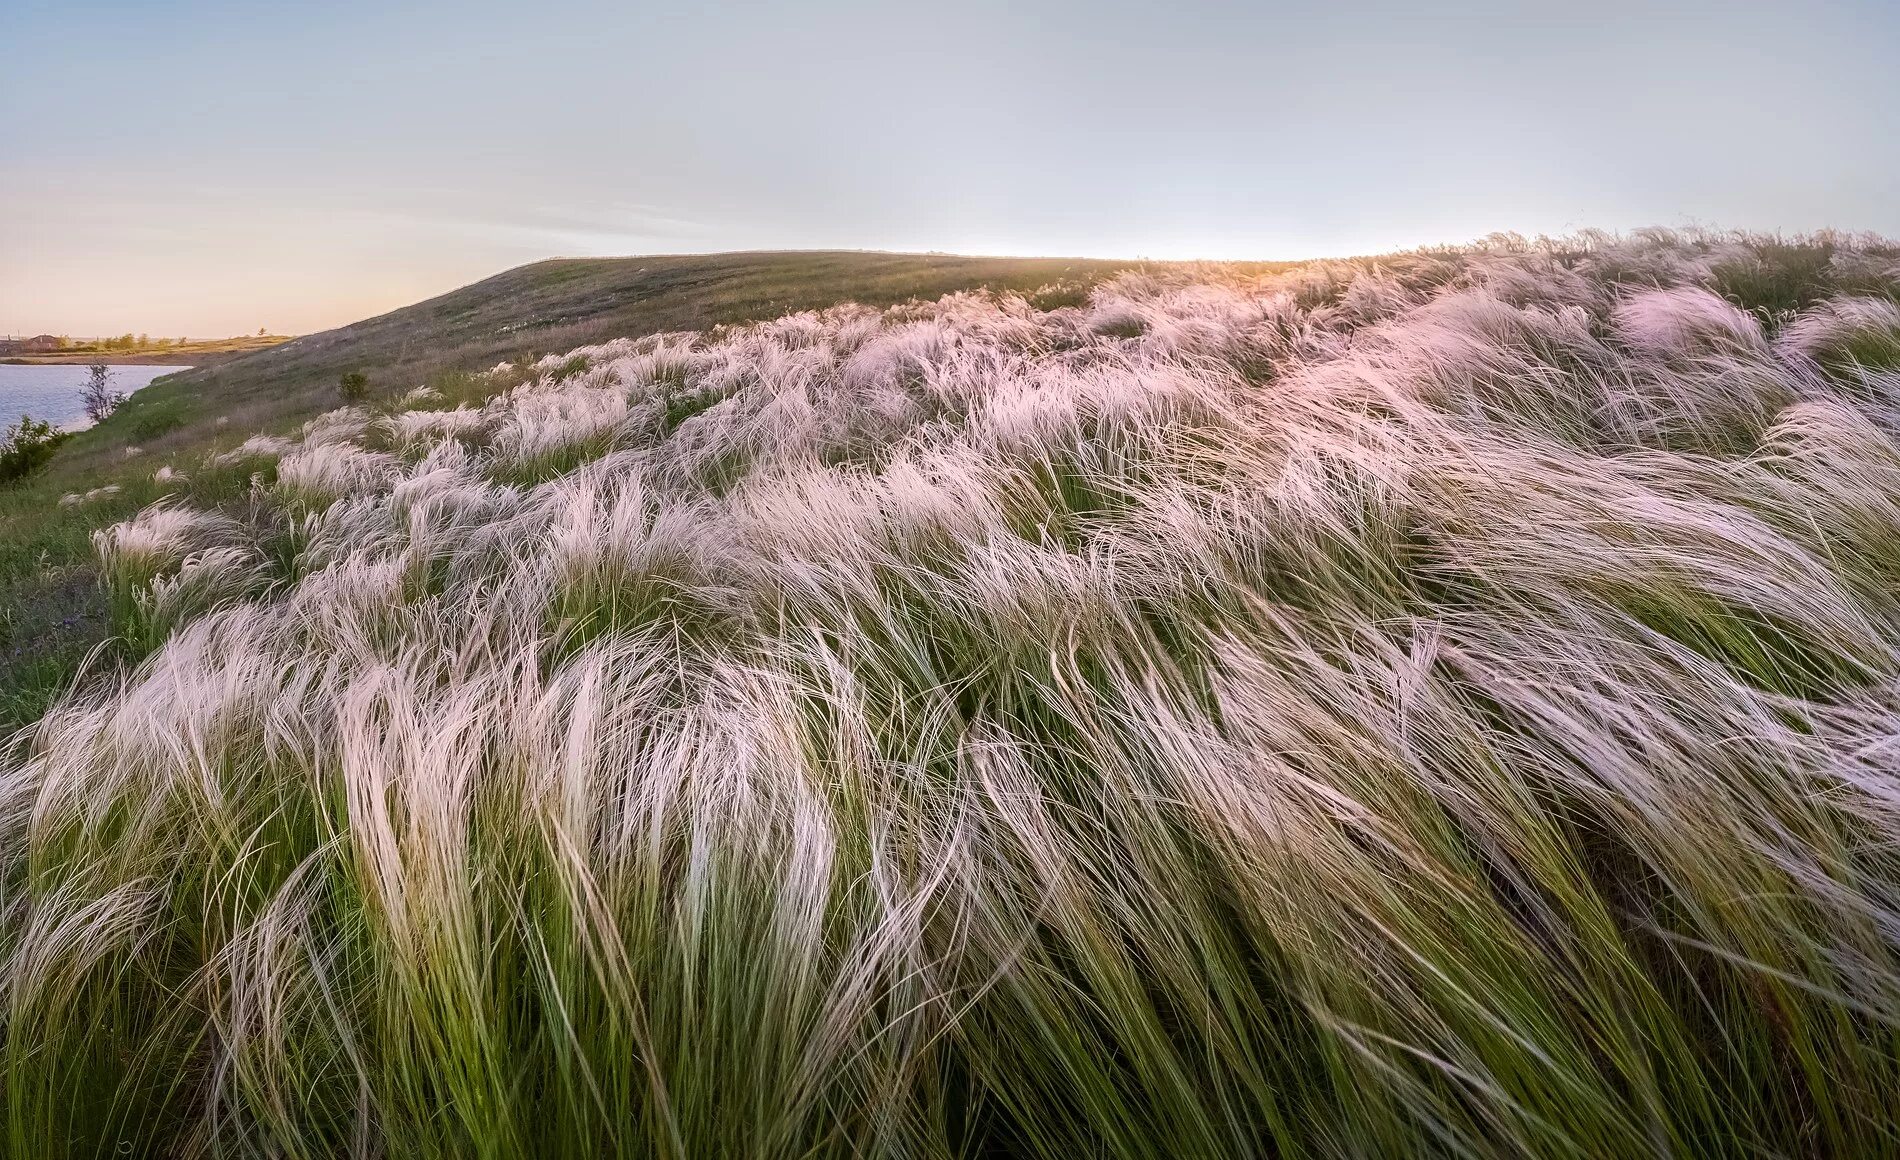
pixel 1445 705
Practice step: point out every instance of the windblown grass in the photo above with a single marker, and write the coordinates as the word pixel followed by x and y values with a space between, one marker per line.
pixel 1440 705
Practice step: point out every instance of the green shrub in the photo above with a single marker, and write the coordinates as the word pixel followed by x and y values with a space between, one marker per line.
pixel 353 387
pixel 26 446
pixel 156 421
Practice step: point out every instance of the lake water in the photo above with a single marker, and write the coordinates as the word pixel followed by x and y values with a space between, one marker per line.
pixel 51 392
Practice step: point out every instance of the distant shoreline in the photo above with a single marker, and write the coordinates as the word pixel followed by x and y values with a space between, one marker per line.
pixel 126 359
pixel 126 354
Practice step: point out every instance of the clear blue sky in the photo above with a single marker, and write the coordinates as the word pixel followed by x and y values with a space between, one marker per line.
pixel 207 168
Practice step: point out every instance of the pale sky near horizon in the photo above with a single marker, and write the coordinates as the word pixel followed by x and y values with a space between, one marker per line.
pixel 206 168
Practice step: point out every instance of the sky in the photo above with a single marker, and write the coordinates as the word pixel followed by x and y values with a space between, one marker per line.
pixel 207 168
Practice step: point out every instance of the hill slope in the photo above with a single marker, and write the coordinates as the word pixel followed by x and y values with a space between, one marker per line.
pixel 568 302
pixel 1439 706
pixel 50 614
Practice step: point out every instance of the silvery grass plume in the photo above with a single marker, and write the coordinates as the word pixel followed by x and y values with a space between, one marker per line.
pixel 1447 705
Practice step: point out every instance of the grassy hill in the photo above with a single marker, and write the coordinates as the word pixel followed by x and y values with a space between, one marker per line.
pixel 1444 705
pixel 568 302
pixel 51 614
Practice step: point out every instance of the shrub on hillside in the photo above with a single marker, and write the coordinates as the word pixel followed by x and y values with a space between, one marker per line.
pixel 152 422
pixel 26 446
pixel 353 387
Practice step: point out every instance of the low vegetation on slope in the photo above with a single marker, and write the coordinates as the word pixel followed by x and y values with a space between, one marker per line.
pixel 50 616
pixel 1439 705
pixel 564 303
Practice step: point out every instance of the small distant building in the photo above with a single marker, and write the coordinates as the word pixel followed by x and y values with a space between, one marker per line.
pixel 38 344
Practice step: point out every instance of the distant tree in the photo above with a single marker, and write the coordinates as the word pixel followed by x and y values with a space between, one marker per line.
pixel 260 332
pixel 353 386
pixel 145 340
pixel 98 397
